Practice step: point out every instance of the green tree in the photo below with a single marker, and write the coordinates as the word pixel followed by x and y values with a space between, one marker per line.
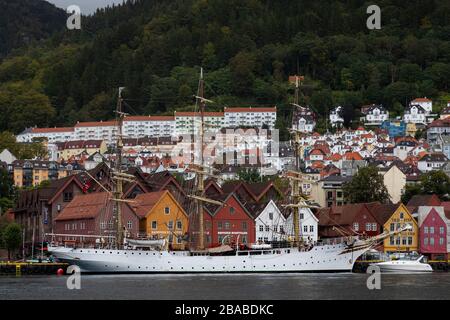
pixel 12 238
pixel 249 175
pixel 366 186
pixel 433 182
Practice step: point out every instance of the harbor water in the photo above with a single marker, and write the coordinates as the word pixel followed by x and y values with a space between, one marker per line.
pixel 433 286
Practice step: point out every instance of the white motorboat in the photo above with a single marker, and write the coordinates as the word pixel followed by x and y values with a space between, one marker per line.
pixel 405 264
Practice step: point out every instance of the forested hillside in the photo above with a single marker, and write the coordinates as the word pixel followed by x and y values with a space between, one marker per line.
pixel 248 49
pixel 24 21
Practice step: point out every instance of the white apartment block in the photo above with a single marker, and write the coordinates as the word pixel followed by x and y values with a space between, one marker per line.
pixel 52 134
pixel 156 126
pixel 250 117
pixel 149 126
pixel 103 130
pixel 189 122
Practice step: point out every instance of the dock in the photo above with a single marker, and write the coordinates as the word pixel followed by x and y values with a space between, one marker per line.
pixel 30 268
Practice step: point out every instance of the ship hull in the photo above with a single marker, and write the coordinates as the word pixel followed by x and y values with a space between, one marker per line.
pixel 328 258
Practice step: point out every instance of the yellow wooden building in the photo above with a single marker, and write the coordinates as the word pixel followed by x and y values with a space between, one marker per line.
pixel 406 241
pixel 161 216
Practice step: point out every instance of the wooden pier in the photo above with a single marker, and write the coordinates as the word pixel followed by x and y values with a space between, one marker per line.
pixel 27 268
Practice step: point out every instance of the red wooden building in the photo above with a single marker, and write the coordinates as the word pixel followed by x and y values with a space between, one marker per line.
pixel 92 215
pixel 231 223
pixel 433 233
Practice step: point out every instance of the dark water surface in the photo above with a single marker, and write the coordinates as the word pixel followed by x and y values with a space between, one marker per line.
pixel 236 286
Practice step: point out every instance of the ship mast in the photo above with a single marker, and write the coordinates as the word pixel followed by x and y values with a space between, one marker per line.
pixel 117 175
pixel 295 192
pixel 201 186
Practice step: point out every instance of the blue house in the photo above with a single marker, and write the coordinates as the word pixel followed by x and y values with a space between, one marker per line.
pixel 395 129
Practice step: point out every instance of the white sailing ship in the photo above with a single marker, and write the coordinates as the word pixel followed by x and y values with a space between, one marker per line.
pixel 153 256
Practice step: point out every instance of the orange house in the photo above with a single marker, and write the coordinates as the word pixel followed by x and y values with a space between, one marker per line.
pixel 162 217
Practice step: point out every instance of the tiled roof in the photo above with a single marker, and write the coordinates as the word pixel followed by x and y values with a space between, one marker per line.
pixel 96 124
pixel 52 130
pixel 145 202
pixel 250 109
pixel 150 118
pixel 85 206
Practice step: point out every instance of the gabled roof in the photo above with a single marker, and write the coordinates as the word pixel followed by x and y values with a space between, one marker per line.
pixel 213 209
pixel 87 206
pixel 423 200
pixel 145 202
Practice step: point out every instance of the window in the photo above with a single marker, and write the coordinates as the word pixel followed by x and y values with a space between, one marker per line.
pixel 220 239
pixel 432 241
pixel 154 225
pixel 170 225
pixel 179 225
pixel 404 241
pixel 410 241
pixel 281 229
pixel 302 216
pixel 129 225
pixel 244 239
pixel 441 241
pixel 441 230
pixel 402 215
pixel 244 225
pixel 397 241
pixel 311 228
pixel 267 228
pixel 356 226
pixel 425 241
pixel 67 196
pixel 374 227
pixel 391 241
pixel 271 215
pixel 171 238
pixel 305 228
pixel 219 225
pixel 392 227
pixel 227 225
pixel 166 210
pixel 102 225
pixel 368 227
pixel 261 228
pixel 232 210
pixel 260 239
pixel 431 230
pixel 425 230
pixel 58 207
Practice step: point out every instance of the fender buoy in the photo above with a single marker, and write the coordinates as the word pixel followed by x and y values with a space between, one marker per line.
pixel 60 272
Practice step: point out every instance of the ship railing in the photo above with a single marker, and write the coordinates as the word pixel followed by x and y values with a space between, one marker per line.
pixel 336 241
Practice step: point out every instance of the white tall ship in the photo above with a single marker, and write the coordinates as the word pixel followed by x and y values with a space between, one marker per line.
pixel 153 256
